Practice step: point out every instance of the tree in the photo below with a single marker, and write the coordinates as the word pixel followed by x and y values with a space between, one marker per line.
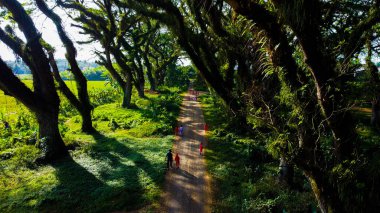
pixel 102 25
pixel 219 54
pixel 125 37
pixel 321 49
pixel 82 104
pixel 158 53
pixel 43 101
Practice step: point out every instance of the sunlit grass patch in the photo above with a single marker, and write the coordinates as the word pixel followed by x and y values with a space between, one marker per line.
pixel 113 173
pixel 121 167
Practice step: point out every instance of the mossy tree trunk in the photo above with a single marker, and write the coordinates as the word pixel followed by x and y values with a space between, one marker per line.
pixel 50 142
pixel 326 194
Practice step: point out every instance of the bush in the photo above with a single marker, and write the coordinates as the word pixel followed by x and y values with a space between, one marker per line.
pixel 22 156
pixel 104 96
pixel 164 108
pixel 179 76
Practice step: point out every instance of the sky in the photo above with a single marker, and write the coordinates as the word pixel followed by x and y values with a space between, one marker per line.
pixel 49 33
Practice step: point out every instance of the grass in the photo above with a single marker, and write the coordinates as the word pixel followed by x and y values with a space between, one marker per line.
pixel 241 181
pixel 109 173
pixel 121 167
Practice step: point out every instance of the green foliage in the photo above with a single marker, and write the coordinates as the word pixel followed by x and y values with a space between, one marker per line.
pixel 91 73
pixel 276 145
pixel 178 76
pixel 22 156
pixel 164 108
pixel 103 96
pixel 199 84
pixel 154 116
pixel 24 121
pixel 245 176
pixel 22 130
pixel 100 93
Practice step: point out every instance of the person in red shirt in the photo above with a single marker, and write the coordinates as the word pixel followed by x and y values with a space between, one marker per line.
pixel 206 128
pixel 200 148
pixel 177 159
pixel 176 131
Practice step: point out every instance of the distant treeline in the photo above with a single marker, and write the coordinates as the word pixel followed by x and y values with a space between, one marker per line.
pixel 91 70
pixel 19 67
pixel 98 73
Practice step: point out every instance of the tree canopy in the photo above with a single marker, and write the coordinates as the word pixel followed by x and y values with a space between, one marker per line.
pixel 287 71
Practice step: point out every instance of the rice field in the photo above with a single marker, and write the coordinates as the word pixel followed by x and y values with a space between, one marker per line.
pixel 9 106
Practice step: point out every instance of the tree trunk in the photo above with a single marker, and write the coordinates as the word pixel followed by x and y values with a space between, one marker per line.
pixel 374 82
pixel 51 141
pixel 84 108
pixel 80 80
pixel 87 120
pixel 107 62
pixel 140 80
pixel 151 80
pixel 84 99
pixel 149 73
pixel 375 117
pixel 286 172
pixel 311 161
pixel 127 94
pixel 127 90
pixel 140 85
pixel 326 195
pixel 44 100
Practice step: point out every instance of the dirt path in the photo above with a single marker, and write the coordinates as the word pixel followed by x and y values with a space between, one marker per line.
pixel 187 189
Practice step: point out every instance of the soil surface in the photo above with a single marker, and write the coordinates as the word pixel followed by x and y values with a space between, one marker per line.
pixel 187 189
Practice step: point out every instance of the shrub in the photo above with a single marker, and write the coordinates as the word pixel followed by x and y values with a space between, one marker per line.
pixel 103 96
pixel 23 156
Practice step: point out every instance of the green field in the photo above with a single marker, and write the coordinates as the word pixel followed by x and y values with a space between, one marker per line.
pixel 9 107
pixel 121 167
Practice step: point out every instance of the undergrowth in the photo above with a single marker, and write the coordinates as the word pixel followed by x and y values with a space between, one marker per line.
pixel 245 176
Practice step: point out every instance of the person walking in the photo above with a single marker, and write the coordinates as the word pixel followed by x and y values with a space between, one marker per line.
pixel 177 159
pixel 181 130
pixel 176 131
pixel 206 128
pixel 200 148
pixel 169 159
